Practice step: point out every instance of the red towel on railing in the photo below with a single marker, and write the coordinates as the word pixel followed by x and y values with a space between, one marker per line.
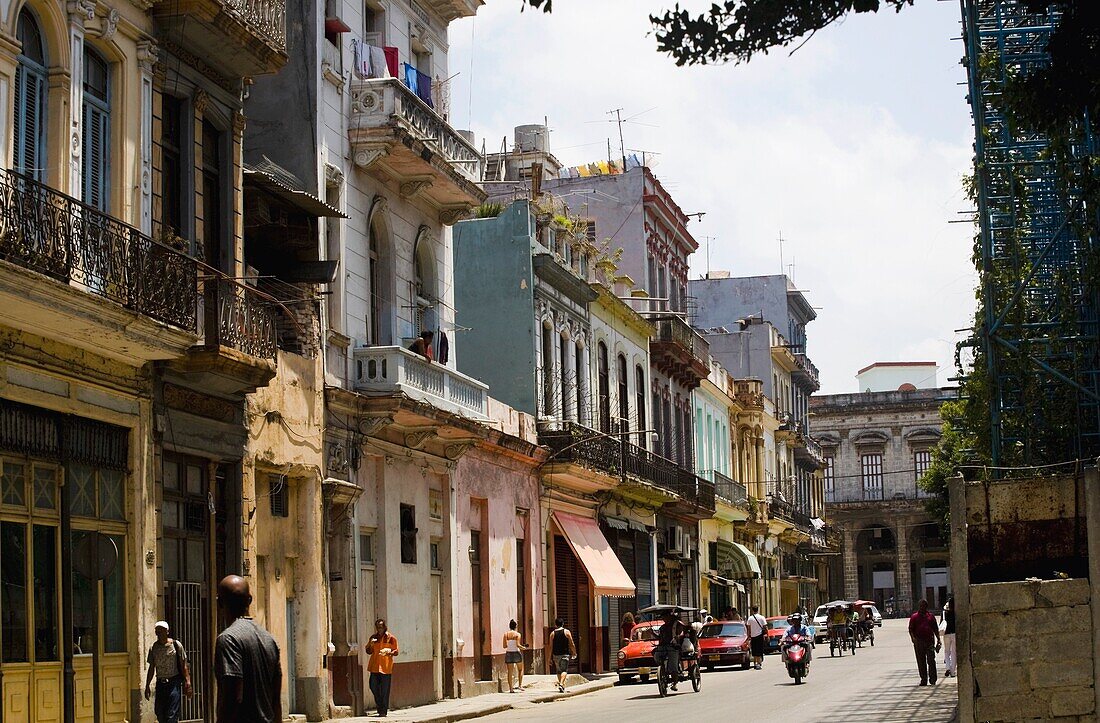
pixel 391 60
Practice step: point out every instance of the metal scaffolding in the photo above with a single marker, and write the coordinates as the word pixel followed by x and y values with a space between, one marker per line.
pixel 1036 340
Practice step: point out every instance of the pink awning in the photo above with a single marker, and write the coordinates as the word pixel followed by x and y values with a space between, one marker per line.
pixel 590 546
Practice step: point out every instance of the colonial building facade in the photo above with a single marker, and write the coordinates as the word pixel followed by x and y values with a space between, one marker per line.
pixel 877 445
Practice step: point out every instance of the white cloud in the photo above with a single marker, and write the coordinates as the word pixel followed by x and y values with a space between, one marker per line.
pixel 853 148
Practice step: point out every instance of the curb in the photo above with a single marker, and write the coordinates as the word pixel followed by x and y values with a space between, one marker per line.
pixel 581 690
pixel 503 707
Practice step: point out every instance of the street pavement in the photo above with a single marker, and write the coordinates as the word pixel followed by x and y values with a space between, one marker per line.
pixel 877 685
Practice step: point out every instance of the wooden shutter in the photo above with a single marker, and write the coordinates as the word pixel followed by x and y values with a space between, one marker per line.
pixel 94 157
pixel 566 583
pixel 30 106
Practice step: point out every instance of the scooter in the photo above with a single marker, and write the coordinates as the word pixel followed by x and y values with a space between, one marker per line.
pixel 797 654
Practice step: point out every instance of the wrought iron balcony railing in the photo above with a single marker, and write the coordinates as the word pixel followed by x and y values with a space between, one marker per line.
pixel 888 492
pixel 391 126
pixel 728 489
pixel 677 331
pixel 243 321
pixel 575 443
pixel 267 18
pixel 46 231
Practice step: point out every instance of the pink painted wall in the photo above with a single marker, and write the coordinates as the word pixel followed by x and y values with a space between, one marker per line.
pixel 502 484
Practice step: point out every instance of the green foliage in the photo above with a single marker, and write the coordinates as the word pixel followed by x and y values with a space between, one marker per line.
pixel 489 210
pixel 954 449
pixel 739 29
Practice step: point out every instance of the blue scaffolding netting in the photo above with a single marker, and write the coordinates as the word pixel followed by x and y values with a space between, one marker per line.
pixel 1036 339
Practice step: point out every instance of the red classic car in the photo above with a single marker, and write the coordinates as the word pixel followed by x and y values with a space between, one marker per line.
pixel 636 657
pixel 724 642
pixel 777 628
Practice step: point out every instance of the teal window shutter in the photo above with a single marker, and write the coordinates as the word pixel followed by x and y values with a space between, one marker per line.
pixel 96 129
pixel 30 107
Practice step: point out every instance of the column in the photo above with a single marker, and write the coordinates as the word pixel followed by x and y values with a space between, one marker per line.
pixel 903 580
pixel 851 565
pixel 147 58
pixel 80 11
pixel 761 481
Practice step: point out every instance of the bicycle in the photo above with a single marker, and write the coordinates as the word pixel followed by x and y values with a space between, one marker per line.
pixel 666 676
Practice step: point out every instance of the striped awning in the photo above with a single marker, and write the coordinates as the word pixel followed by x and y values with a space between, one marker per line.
pixel 737 562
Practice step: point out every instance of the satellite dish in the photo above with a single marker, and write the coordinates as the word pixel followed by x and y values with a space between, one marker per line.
pixel 95 556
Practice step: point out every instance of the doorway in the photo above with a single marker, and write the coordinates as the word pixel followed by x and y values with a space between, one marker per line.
pixel 483 663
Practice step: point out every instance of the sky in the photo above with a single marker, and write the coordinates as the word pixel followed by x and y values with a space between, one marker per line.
pixel 852 150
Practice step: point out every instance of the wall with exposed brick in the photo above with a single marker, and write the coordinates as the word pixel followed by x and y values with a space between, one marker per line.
pixel 1027 632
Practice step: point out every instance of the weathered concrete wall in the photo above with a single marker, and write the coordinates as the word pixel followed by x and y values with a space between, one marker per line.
pixel 1026 637
pixel 1032 650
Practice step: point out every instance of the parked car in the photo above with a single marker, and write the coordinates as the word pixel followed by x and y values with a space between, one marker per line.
pixel 636 657
pixel 821 624
pixel 724 643
pixel 777 626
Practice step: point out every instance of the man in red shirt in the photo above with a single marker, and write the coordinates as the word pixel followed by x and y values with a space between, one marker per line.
pixel 925 634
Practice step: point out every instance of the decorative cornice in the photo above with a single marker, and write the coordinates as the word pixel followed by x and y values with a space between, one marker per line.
pixel 147 54
pixel 80 11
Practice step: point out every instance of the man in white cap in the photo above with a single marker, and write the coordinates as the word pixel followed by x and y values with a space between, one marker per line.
pixel 168 662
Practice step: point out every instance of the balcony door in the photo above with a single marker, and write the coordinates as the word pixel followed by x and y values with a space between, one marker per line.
pixel 31 88
pixel 96 132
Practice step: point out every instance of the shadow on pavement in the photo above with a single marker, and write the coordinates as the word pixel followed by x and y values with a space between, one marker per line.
pixel 900 698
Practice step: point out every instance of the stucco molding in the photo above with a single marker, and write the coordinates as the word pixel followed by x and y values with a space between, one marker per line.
pixel 417 438
pixel 451 216
pixel 366 156
pixel 368 426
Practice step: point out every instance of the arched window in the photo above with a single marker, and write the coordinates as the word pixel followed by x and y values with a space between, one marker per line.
pixel 374 320
pixel 96 135
pixel 639 396
pixel 582 382
pixel 623 422
pixel 563 374
pixel 547 370
pixel 603 375
pixel 30 99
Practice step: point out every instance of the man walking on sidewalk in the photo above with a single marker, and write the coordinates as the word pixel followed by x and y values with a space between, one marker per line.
pixel 758 630
pixel 924 631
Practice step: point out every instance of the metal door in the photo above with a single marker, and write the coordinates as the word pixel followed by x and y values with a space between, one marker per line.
pixel 188 626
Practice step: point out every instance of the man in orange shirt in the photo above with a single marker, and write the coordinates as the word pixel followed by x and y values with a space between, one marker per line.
pixel 382 648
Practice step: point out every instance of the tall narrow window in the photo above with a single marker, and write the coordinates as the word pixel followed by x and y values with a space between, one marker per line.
pixel 657 423
pixel 30 99
pixel 566 380
pixel 830 480
pixel 374 321
pixel 171 172
pixel 666 418
pixel 623 422
pixel 603 374
pixel 922 460
pixel 547 371
pixel 582 383
pixel 96 130
pixel 408 534
pixel 639 401
pixel 871 473
pixel 212 225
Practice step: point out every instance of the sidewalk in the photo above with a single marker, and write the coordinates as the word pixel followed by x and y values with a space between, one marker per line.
pixel 538 689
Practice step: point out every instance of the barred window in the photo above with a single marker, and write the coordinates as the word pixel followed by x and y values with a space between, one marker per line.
pixel 871 472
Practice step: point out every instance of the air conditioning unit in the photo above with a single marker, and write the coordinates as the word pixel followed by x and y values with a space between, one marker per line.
pixel 675 542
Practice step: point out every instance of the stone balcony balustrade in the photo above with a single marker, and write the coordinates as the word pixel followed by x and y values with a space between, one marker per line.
pixel 392 369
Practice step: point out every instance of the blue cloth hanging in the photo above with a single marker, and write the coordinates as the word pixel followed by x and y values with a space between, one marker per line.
pixel 410 78
pixel 424 88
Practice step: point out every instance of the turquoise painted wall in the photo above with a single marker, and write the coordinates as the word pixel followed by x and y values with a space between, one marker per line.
pixel 494 298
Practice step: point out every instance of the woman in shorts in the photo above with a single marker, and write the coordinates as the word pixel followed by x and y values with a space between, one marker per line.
pixel 513 658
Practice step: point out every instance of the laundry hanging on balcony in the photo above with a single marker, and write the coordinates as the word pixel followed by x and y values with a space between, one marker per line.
pixel 361 58
pixel 391 60
pixel 424 88
pixel 379 63
pixel 411 79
